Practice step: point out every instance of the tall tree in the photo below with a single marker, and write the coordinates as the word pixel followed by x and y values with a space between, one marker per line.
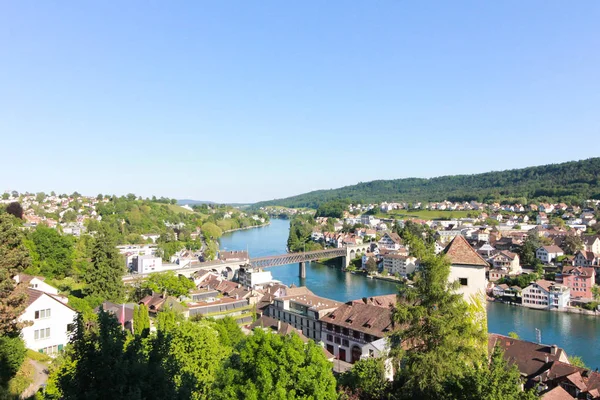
pixel 141 320
pixel 269 366
pixel 366 379
pixel 13 260
pixel 440 334
pixel 15 209
pixel 105 277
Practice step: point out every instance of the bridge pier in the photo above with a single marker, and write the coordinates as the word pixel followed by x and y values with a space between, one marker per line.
pixel 302 269
pixel 345 263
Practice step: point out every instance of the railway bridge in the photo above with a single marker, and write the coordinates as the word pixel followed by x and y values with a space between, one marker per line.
pixel 229 268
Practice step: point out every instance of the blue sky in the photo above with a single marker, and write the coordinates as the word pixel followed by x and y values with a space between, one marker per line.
pixel 243 101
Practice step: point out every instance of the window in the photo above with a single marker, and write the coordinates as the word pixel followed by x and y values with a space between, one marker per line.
pixel 345 342
pixel 356 334
pixel 39 334
pixel 337 340
pixel 329 327
pixel 463 281
pixel 40 314
pixel 330 338
pixel 345 331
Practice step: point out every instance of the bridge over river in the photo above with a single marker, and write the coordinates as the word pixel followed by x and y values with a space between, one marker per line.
pixel 229 268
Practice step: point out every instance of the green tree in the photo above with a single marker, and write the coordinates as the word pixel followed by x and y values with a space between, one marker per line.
pixel 441 333
pixel 230 334
pixel 54 252
pixel 210 230
pixel 269 366
pixel 371 265
pixel 141 320
pixel 13 260
pixel 175 285
pixel 572 244
pixel 12 355
pixel 577 361
pixel 105 277
pixel 493 380
pixel 530 245
pixel 366 379
pixel 513 335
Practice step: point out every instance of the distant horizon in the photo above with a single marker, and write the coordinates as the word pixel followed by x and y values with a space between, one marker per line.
pixel 198 201
pixel 243 102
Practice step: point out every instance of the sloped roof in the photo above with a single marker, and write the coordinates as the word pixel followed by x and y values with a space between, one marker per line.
pixel 581 271
pixel 531 358
pixel 558 393
pixel 385 301
pixel 459 251
pixel 366 318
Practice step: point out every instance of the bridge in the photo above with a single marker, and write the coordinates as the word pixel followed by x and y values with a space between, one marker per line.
pixel 229 268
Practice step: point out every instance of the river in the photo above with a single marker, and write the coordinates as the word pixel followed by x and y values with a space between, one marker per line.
pixel 577 334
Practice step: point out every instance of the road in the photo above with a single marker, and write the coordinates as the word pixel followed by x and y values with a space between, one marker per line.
pixel 39 378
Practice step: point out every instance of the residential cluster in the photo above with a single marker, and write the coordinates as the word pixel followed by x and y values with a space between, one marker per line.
pixel 68 212
pixel 568 250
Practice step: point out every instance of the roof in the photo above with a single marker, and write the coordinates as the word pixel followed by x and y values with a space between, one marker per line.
pixel 366 318
pixel 33 295
pixel 27 278
pixel 558 393
pixel 589 240
pixel 385 301
pixel 552 249
pixel 580 271
pixel 584 379
pixel 529 357
pixel 546 285
pixel 459 251
pixel 312 301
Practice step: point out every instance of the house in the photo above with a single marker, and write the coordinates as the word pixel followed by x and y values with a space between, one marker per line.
pixel 253 277
pixel 543 294
pixel 499 290
pixel 467 267
pixel 158 302
pixel 390 241
pixel 580 280
pixel 146 264
pixel 303 310
pixel 548 254
pixel 585 258
pixel 51 322
pixel 591 243
pixel 348 330
pixel 507 261
pixel 542 219
pixel 399 264
pixel 579 383
pixel 532 359
pixel 37 283
pixel 123 313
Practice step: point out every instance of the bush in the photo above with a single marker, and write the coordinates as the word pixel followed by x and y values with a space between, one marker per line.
pixel 12 355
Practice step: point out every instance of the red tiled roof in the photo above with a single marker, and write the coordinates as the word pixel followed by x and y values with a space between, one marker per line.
pixel 459 251
pixel 558 393
pixel 367 318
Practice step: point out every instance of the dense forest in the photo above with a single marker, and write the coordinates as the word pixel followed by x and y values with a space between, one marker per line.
pixel 570 182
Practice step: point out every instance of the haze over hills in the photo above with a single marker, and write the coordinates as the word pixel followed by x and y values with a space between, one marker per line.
pixel 572 181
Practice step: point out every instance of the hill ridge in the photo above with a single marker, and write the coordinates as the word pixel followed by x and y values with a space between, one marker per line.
pixel 571 181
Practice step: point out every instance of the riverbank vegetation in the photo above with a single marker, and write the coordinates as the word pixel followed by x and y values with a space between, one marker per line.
pixel 570 182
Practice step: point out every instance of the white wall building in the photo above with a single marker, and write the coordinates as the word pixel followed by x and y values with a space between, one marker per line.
pixel 52 320
pixel 548 254
pixel 252 277
pixel 399 264
pixel 546 295
pixel 468 268
pixel 146 264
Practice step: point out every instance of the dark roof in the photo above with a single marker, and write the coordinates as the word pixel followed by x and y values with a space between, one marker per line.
pixel 580 271
pixel 366 318
pixel 531 358
pixel 32 295
pixel 459 251
pixel 385 301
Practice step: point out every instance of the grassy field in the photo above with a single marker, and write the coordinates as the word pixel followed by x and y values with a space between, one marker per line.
pixel 425 214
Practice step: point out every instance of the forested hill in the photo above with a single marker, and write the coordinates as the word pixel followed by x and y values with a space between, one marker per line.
pixel 569 182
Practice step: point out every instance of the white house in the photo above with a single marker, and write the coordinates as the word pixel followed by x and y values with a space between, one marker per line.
pixel 547 254
pixel 399 264
pixel 37 283
pixel 52 320
pixel 468 268
pixel 390 241
pixel 544 294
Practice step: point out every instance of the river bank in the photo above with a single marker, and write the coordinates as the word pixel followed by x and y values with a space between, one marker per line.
pixel 247 227
pixel 572 310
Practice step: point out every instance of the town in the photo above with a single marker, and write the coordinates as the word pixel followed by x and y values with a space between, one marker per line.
pixel 485 250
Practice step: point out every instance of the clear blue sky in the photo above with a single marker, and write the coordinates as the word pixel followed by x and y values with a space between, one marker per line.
pixel 240 101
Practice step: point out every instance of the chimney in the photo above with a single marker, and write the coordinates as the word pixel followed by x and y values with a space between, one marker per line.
pixel 546 358
pixel 278 325
pixel 553 349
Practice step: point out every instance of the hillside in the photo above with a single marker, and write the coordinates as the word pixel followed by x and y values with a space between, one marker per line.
pixel 570 182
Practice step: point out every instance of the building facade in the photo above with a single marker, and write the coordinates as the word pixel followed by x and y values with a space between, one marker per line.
pixel 544 294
